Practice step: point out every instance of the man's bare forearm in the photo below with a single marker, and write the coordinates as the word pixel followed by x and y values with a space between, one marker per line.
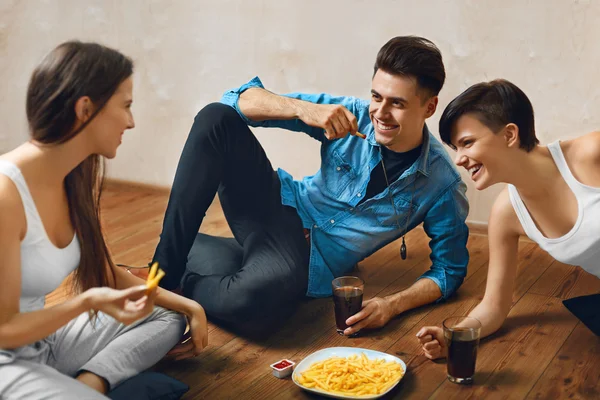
pixel 259 104
pixel 423 291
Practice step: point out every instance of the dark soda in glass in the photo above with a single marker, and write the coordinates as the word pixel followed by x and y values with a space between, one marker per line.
pixel 347 300
pixel 462 338
pixel 461 358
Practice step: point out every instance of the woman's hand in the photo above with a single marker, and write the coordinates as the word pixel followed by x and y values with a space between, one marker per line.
pixel 126 306
pixel 432 342
pixel 195 339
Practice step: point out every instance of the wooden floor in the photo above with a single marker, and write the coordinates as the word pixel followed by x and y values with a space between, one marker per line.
pixel 542 352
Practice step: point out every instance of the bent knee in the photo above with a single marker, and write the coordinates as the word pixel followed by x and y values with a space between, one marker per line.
pixel 171 322
pixel 216 113
pixel 257 305
pixel 213 123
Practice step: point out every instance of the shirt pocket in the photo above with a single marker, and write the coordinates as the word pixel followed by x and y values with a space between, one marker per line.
pixel 384 215
pixel 338 174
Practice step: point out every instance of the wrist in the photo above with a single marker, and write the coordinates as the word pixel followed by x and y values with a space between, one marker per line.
pixel 190 308
pixel 394 304
pixel 85 301
pixel 299 109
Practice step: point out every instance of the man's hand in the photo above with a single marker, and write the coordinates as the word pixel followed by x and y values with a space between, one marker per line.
pixel 195 339
pixel 336 120
pixel 375 313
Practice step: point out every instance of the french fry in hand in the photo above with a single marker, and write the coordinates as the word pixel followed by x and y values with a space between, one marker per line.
pixel 360 135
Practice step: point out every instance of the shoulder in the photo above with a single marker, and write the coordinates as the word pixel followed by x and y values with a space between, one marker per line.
pixel 503 219
pixel 583 149
pixel 359 107
pixel 439 161
pixel 12 213
pixel 361 104
pixel 8 192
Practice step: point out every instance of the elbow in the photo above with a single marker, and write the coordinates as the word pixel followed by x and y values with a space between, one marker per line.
pixel 7 340
pixel 492 315
pixel 247 100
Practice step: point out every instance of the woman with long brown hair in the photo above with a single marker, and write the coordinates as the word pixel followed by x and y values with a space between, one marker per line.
pixel 78 107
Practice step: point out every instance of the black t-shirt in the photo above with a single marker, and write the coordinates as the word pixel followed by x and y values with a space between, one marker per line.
pixel 395 165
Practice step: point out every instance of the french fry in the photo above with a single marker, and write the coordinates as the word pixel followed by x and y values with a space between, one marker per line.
pixel 360 135
pixel 153 283
pixel 152 272
pixel 357 376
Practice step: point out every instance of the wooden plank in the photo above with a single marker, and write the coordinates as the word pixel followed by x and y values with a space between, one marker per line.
pixel 574 372
pixel 585 284
pixel 557 281
pixel 531 267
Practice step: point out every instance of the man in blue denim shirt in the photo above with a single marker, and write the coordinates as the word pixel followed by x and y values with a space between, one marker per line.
pixel 368 192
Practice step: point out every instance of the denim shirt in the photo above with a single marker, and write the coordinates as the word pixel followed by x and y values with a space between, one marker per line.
pixel 344 232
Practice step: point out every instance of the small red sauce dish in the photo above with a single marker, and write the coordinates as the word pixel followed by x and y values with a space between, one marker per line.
pixel 283 368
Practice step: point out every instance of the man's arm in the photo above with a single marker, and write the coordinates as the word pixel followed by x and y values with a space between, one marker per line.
pixel 445 225
pixel 378 311
pixel 423 291
pixel 320 115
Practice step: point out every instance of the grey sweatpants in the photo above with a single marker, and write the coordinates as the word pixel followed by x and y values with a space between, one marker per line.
pixel 105 347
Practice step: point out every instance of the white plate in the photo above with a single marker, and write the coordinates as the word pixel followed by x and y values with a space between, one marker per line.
pixel 344 352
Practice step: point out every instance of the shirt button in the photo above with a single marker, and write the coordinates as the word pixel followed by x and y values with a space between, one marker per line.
pixel 332 221
pixel 314 226
pixel 351 208
pixel 358 195
pixel 339 168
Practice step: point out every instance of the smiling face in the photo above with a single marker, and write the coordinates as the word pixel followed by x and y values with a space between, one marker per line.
pixel 480 151
pixel 397 111
pixel 107 128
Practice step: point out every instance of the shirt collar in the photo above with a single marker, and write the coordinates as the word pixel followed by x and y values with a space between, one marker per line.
pixel 422 163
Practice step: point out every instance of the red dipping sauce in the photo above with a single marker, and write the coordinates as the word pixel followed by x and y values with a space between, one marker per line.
pixel 282 364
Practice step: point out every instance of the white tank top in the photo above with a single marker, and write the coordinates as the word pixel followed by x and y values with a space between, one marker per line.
pixel 43 265
pixel 581 245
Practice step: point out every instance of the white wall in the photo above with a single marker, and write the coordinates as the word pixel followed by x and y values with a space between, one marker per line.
pixel 187 52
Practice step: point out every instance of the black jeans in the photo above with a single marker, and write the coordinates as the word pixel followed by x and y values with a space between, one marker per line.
pixel 262 274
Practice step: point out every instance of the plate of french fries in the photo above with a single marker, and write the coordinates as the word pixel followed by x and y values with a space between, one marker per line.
pixel 349 373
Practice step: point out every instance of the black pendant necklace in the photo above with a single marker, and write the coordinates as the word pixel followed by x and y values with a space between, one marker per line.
pixel 403 249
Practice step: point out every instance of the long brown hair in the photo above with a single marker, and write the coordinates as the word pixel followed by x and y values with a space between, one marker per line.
pixel 72 70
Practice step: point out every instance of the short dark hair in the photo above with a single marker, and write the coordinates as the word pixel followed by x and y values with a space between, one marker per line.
pixel 495 104
pixel 413 56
